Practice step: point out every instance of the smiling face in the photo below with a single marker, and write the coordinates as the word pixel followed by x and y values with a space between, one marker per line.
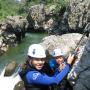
pixel 38 63
pixel 59 59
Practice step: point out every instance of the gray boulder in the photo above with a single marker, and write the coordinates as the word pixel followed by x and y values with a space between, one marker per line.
pixel 36 16
pixel 66 42
pixel 40 18
pixel 10 68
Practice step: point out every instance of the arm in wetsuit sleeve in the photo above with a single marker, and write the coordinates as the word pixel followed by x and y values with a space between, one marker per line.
pixel 35 77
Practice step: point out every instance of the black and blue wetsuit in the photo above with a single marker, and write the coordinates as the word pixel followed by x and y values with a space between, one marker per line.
pixel 37 80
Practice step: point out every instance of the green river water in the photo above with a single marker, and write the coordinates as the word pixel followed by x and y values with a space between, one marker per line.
pixel 19 53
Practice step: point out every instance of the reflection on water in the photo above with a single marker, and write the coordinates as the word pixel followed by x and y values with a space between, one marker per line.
pixel 19 53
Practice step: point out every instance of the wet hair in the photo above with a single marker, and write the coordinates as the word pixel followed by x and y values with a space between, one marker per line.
pixel 29 58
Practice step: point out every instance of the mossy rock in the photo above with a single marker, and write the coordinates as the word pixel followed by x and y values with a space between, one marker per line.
pixel 19 86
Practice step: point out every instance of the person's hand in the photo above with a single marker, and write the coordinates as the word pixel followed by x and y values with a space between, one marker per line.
pixel 70 59
pixel 61 67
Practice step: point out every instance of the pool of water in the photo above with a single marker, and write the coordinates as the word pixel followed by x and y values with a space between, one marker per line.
pixel 19 53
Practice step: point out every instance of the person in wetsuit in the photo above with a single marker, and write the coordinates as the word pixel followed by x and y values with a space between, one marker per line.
pixel 33 75
pixel 58 60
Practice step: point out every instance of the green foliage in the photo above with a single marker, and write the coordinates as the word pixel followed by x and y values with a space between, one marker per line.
pixel 8 7
pixel 60 2
pixel 11 7
pixel 61 6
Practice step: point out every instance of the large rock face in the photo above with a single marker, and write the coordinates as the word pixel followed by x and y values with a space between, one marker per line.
pixel 74 18
pixel 79 14
pixel 80 74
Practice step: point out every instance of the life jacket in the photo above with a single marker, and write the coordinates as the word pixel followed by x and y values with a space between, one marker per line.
pixel 34 86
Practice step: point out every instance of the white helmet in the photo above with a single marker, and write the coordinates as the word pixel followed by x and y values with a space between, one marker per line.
pixel 36 51
pixel 57 52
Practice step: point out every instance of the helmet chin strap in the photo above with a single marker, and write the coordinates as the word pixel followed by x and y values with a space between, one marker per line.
pixel 30 62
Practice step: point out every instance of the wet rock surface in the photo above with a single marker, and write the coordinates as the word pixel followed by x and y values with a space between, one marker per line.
pixel 12 32
pixel 79 75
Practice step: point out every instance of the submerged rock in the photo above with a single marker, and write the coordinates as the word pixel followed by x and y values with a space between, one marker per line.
pixel 10 68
